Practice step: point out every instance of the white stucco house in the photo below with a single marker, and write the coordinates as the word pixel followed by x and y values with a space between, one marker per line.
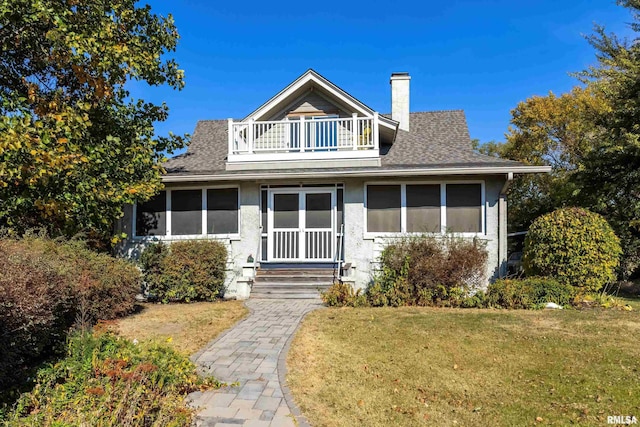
pixel 314 178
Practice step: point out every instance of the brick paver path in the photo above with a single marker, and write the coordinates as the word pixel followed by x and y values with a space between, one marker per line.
pixel 251 354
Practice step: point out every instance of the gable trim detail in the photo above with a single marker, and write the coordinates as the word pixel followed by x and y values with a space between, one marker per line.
pixel 311 75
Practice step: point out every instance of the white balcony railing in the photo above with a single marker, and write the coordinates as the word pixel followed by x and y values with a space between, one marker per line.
pixel 290 138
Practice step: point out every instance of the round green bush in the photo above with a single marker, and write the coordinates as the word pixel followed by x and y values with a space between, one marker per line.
pixel 573 245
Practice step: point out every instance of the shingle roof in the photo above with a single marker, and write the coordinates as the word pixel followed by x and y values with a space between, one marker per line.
pixel 437 139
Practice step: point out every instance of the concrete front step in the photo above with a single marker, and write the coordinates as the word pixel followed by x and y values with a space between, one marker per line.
pixel 288 291
pixel 291 283
pixel 293 279
pixel 295 272
pixel 290 286
pixel 290 295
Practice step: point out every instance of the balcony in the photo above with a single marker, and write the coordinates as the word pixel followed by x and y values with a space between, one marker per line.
pixel 304 138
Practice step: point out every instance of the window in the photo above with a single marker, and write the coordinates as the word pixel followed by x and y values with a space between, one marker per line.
pixel 222 211
pixel 464 208
pixel 383 208
pixel 192 213
pixel 425 208
pixel 186 212
pixel 151 216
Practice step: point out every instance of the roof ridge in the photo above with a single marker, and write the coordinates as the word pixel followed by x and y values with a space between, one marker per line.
pixel 384 114
pixel 453 110
pixel 437 111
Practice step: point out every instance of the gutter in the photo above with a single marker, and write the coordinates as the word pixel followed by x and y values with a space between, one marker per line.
pixel 495 170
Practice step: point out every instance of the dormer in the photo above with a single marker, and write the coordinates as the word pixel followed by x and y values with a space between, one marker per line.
pixel 311 123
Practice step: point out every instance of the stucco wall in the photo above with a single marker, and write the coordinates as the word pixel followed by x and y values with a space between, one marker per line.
pixel 239 248
pixel 361 249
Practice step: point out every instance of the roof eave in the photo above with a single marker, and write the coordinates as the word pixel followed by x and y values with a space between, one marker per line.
pixel 457 170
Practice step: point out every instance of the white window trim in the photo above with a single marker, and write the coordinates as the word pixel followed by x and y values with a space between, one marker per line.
pixel 443 208
pixel 203 235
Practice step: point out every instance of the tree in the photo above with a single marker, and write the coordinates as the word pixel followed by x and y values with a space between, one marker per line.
pixel 550 130
pixel 609 182
pixel 591 138
pixel 74 146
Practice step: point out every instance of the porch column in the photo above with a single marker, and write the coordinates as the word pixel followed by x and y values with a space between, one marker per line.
pixel 502 227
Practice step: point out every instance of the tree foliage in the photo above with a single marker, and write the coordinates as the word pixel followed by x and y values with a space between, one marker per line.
pixel 609 182
pixel 75 146
pixel 556 131
pixel 591 138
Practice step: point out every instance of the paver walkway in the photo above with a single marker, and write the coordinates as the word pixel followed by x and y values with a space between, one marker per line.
pixel 251 354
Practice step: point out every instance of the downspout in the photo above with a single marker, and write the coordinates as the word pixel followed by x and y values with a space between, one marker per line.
pixel 502 226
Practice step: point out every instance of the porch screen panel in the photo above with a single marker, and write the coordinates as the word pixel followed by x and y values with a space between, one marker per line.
pixel 339 208
pixel 263 214
pixel 339 222
pixel 151 216
pixel 318 210
pixel 464 208
pixel 383 208
pixel 222 211
pixel 285 211
pixel 186 212
pixel 263 210
pixel 423 208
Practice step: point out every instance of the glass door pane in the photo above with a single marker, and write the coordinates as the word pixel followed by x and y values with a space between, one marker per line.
pixel 285 211
pixel 318 210
pixel 286 223
pixel 318 233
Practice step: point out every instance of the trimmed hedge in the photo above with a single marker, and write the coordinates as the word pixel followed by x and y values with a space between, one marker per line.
pixel 46 286
pixel 529 293
pixel 185 271
pixel 575 246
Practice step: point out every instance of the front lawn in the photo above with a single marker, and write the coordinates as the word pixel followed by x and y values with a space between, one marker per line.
pixel 426 366
pixel 186 327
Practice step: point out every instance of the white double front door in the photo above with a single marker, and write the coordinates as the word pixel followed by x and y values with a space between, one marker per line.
pixel 301 224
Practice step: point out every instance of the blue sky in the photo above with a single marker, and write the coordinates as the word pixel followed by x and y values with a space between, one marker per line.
pixel 480 56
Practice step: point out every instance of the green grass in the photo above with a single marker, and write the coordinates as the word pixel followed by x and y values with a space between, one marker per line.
pixel 426 366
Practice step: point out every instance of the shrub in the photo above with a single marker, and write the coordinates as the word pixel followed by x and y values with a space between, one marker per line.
pixel 427 270
pixel 45 286
pixel 37 307
pixel 107 380
pixel 187 271
pixel 532 292
pixel 151 262
pixel 342 295
pixel 106 286
pixel 602 300
pixel 573 245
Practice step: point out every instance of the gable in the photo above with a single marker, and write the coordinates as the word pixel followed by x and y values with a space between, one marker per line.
pixel 312 103
pixel 310 82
